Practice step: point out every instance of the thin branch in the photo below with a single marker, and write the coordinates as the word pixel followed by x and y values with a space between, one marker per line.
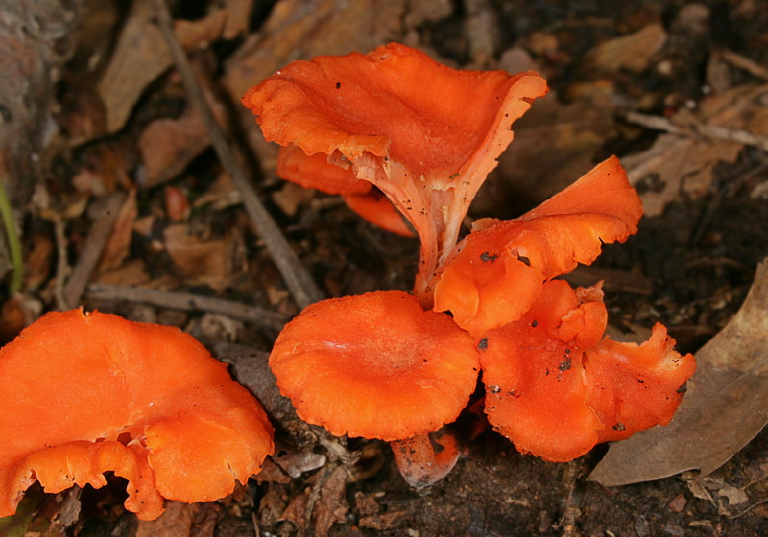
pixel 95 241
pixel 187 302
pixel 304 289
pixel 710 131
pixel 751 66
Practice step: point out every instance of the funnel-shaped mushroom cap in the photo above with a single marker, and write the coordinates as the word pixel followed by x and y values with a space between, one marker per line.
pixel 556 389
pixel 314 171
pixel 499 268
pixel 83 394
pixel 375 365
pixel 425 134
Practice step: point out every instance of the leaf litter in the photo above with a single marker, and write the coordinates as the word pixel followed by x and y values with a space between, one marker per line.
pixel 493 490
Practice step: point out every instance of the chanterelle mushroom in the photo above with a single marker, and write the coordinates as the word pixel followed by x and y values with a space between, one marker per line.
pixel 556 388
pixel 425 134
pixel 82 394
pixel 498 270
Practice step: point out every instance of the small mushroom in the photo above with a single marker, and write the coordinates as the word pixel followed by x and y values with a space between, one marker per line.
pixel 425 134
pixel 498 270
pixel 83 394
pixel 377 366
pixel 556 388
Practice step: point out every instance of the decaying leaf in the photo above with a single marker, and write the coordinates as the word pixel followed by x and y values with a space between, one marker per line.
pixel 676 165
pixel 302 29
pixel 118 246
pixel 725 406
pixel 176 521
pixel 140 56
pixel 554 143
pixel 683 163
pixel 631 52
pixel 200 261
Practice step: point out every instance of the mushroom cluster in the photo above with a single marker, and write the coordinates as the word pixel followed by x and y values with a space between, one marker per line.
pixel 398 124
pixel 82 394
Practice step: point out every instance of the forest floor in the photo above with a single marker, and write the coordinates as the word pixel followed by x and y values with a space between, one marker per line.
pixel 678 90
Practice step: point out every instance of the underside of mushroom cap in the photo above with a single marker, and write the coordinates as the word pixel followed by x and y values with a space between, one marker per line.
pixel 425 134
pixel 375 365
pixel 158 409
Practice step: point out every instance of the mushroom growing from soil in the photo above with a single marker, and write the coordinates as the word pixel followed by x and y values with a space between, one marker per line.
pixel 378 366
pixel 86 393
pixel 427 136
pixel 556 387
pixel 498 270
pixel 424 134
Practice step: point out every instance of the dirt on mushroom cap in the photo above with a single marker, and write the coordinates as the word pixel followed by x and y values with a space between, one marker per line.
pixel 556 388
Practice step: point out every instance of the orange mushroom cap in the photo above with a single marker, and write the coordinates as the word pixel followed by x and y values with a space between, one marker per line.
pixel 425 134
pixel 314 171
pixel 498 270
pixel 634 387
pixel 556 388
pixel 82 394
pixel 375 365
pixel 377 209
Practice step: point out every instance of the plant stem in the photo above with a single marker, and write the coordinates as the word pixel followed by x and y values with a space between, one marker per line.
pixel 14 245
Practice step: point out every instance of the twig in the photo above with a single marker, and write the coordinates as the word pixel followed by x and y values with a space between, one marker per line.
pixel 752 67
pixel 304 289
pixel 187 302
pixel 710 131
pixel 95 241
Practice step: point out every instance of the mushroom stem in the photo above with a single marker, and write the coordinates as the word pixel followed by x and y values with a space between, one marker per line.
pixel 425 459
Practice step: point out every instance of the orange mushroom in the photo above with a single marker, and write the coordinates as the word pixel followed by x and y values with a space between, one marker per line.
pixel 556 388
pixel 378 366
pixel 314 171
pixel 426 135
pixel 82 394
pixel 498 270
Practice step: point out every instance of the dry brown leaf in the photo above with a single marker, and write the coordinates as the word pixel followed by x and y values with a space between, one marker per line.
pixel 302 29
pixel 38 263
pixel 630 52
pixel 140 56
pixel 554 144
pixel 168 146
pixel 200 33
pixel 673 166
pixel 332 507
pixel 132 274
pixel 290 197
pixel 725 406
pixel 118 245
pixel 679 164
pixel 200 261
pixel 176 521
pixel 238 17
